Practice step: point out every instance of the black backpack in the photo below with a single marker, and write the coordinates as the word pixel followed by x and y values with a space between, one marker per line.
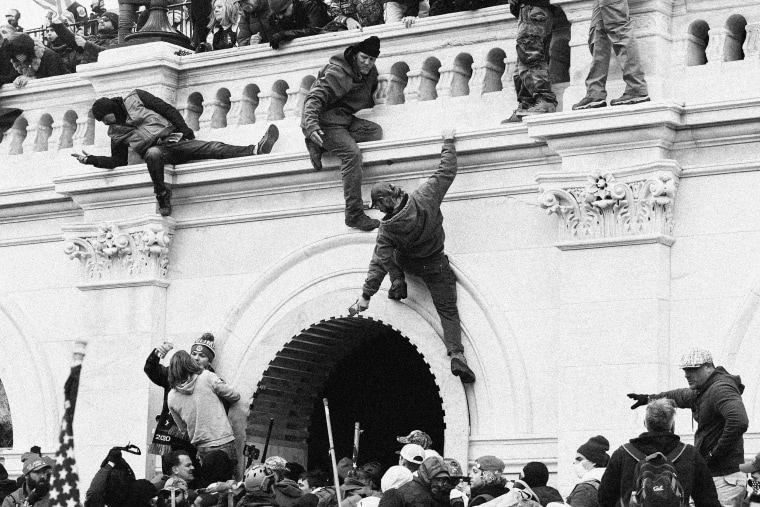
pixel 656 481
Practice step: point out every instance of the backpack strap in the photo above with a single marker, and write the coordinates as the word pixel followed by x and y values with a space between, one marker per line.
pixel 635 453
pixel 595 483
pixel 676 453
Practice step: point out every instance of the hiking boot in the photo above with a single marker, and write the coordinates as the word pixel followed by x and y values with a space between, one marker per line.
pixel 589 103
pixel 270 137
pixel 315 154
pixel 628 100
pixel 460 369
pixel 541 107
pixel 165 203
pixel 515 118
pixel 363 222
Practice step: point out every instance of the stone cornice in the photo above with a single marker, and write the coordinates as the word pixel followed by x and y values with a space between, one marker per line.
pixel 128 253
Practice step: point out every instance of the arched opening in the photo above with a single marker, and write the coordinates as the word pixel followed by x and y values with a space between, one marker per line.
pixel 250 102
pixel 279 98
pixel 494 70
pixel 221 108
pixel 69 129
pixel 44 131
pixel 460 84
pixel 194 110
pixel 737 33
pixel 397 84
pixel 6 424
pixel 429 77
pixel 697 43
pixel 369 372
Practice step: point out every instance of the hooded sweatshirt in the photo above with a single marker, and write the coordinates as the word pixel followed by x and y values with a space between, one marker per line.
pixel 339 91
pixel 197 409
pixel 286 493
pixel 417 492
pixel 415 232
pixel 693 474
pixel 721 420
pixel 586 492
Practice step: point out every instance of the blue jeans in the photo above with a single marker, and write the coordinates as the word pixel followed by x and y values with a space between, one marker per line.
pixel 186 151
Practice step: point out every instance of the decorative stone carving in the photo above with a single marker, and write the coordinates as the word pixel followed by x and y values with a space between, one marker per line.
pixel 607 212
pixel 717 47
pixel 752 42
pixel 121 254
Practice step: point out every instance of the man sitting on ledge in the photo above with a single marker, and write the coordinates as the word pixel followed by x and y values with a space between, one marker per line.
pixel 156 131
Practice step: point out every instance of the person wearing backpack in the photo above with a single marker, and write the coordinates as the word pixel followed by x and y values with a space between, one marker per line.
pixel 624 476
pixel 590 462
pixel 486 482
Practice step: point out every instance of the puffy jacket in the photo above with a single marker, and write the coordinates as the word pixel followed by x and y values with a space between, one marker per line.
pixel 197 408
pixel 339 91
pixel 416 231
pixel 255 22
pixel 721 419
pixel 693 473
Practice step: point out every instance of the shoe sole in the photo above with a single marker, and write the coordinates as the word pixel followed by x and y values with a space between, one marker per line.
pixel 267 142
pixel 630 102
pixel 591 105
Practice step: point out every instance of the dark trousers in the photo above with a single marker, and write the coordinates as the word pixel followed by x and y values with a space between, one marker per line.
pixel 442 284
pixel 341 141
pixel 185 151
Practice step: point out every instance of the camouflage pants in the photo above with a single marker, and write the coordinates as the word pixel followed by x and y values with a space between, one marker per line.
pixel 534 36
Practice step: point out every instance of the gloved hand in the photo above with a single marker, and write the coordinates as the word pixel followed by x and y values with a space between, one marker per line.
pixel 275 40
pixel 188 133
pixel 38 492
pixel 203 47
pixel 641 400
pixel 397 291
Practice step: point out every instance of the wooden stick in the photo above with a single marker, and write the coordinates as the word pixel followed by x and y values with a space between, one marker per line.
pixel 357 435
pixel 266 443
pixel 332 453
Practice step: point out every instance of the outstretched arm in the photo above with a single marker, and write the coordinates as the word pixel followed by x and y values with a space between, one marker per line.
pixel 435 188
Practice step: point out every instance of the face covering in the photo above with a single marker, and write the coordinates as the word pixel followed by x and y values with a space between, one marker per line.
pixel 580 470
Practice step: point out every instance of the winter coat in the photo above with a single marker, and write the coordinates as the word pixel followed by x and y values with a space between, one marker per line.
pixel 308 18
pixel 353 491
pixel 693 474
pixel 286 493
pixel 197 409
pixel 586 492
pixel 7 72
pixel 120 144
pixel 486 493
pixel 94 44
pixel 416 231
pixel 547 494
pixel 339 91
pixel 256 498
pixel 417 492
pixel 366 12
pixel 255 22
pixel 721 420
pixel 222 38
pixel 46 63
pixel 19 497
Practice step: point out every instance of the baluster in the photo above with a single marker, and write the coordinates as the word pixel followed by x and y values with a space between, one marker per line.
pixel 716 48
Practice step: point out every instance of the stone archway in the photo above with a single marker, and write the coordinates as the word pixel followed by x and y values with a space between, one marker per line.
pixel 371 373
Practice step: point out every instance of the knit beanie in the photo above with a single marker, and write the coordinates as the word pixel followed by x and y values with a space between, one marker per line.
pixel 535 474
pixel 369 46
pixel 595 450
pixel 206 342
pixel 20 44
pixel 279 6
pixel 112 17
pixel 104 106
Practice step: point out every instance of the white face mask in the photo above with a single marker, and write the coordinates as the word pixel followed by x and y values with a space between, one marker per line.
pixel 580 470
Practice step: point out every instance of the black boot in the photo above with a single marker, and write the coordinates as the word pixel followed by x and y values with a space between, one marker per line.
pixel 270 137
pixel 165 203
pixel 363 222
pixel 460 369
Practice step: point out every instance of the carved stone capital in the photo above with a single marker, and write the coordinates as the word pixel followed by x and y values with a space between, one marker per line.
pixel 121 254
pixel 634 207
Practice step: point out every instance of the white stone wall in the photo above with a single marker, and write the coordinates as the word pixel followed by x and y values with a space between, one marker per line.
pixel 563 314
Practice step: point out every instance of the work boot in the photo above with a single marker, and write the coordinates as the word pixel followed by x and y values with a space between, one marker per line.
pixel 629 100
pixel 589 103
pixel 542 107
pixel 165 203
pixel 362 222
pixel 515 118
pixel 315 154
pixel 270 137
pixel 460 369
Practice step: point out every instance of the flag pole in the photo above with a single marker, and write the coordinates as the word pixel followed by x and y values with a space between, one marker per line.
pixel 332 453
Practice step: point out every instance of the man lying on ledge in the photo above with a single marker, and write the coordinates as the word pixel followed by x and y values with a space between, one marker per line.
pixel 157 132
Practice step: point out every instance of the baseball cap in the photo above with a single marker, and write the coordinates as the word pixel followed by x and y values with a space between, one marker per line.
pixel 695 358
pixel 416 437
pixel 751 466
pixel 35 465
pixel 379 191
pixel 413 453
pixel 489 464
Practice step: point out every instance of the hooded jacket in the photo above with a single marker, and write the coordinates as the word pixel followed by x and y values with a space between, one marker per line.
pixel 308 18
pixel 197 409
pixel 286 493
pixel 721 419
pixel 339 91
pixel 693 474
pixel 416 231
pixel 586 492
pixel 417 492
pixel 19 497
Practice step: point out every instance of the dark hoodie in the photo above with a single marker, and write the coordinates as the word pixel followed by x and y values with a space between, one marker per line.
pixel 417 492
pixel 486 493
pixel 693 474
pixel 286 493
pixel 415 232
pixel 339 91
pixel 721 420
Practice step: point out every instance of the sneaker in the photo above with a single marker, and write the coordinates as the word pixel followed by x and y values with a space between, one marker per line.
pixel 460 369
pixel 515 118
pixel 627 100
pixel 541 107
pixel 363 223
pixel 165 203
pixel 265 145
pixel 315 154
pixel 589 103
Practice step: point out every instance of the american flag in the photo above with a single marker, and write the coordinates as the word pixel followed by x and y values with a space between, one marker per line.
pixel 64 483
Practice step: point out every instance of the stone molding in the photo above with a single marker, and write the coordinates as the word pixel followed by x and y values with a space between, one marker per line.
pixel 121 254
pixel 608 210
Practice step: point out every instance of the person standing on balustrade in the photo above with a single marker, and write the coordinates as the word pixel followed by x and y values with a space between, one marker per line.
pixel 157 132
pixel 343 87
